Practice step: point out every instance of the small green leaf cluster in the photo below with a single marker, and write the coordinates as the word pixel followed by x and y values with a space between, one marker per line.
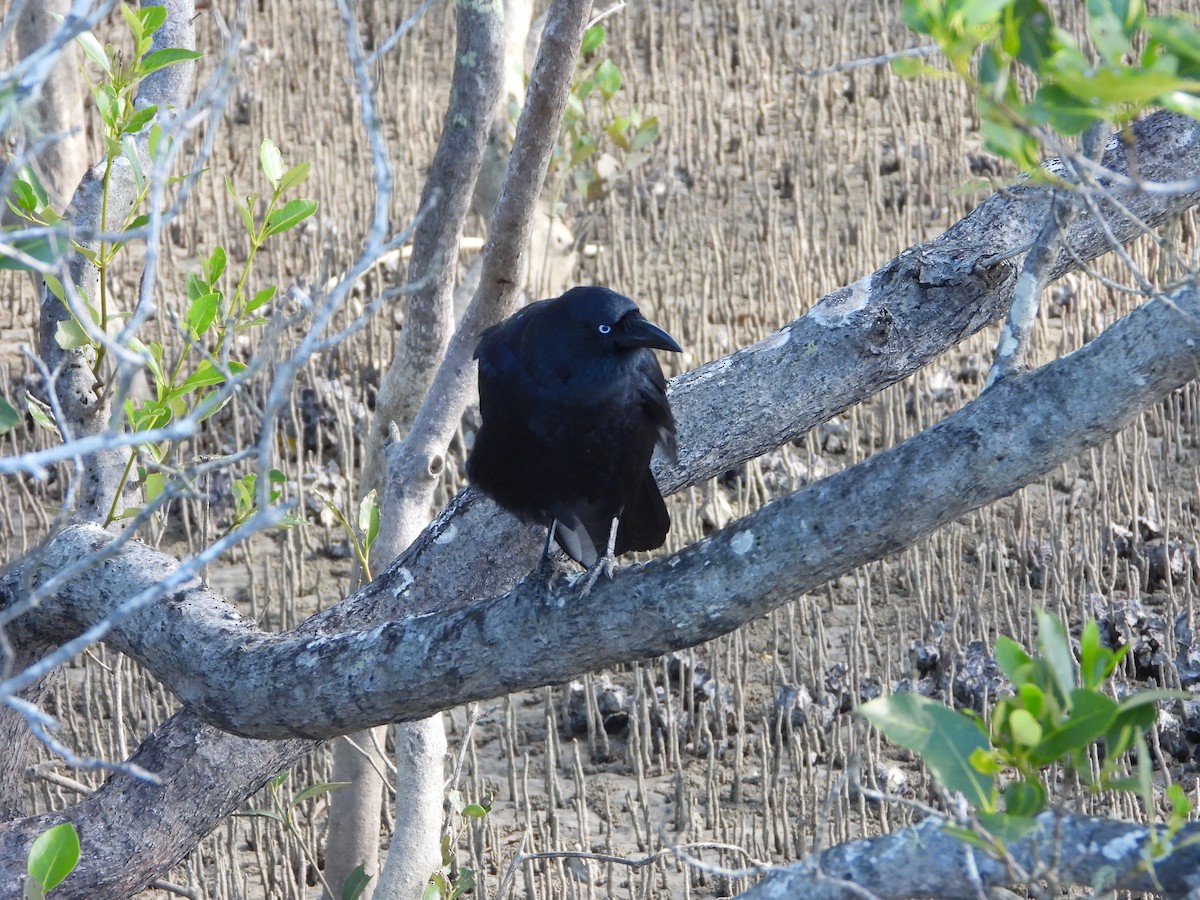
pixel 1056 713
pixel 364 536
pixel 1131 61
pixel 220 304
pixel 52 857
pixel 245 498
pixel 451 881
pixel 191 376
pixel 579 155
pixel 114 95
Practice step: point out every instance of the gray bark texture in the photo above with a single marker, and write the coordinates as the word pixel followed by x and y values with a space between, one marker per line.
pixel 60 107
pixel 428 325
pixel 1101 854
pixel 318 682
pixel 409 643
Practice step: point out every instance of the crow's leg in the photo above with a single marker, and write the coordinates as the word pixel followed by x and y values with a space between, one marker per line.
pixel 605 564
pixel 547 568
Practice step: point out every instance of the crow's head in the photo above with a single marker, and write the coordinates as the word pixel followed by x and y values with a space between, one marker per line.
pixel 595 320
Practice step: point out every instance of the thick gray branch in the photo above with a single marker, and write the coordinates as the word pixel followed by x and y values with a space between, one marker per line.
pixel 1083 851
pixel 855 342
pixel 308 685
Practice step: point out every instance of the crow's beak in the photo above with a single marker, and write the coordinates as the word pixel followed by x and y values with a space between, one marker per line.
pixel 637 332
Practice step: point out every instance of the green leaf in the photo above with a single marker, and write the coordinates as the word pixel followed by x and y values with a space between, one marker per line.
pixel 1009 142
pixel 40 413
pixel 608 78
pixel 294 176
pixel 243 206
pixel 985 762
pixel 1108 37
pixel 93 51
pixel 466 882
pixel 1127 14
pixel 1024 799
pixel 133 21
pixel 1011 658
pixel 1092 714
pixel 109 107
pixel 139 120
pixel 209 405
pixel 592 39
pixel 26 197
pixel 1056 651
pixel 151 414
pixel 10 416
pixel 206 374
pixel 1005 828
pixel 168 56
pixel 214 266
pixel 154 484
pixel 646 135
pixel 1093 656
pixel 54 855
pixel 153 358
pixel 264 813
pixel 368 518
pixel 911 67
pixel 261 298
pixel 582 149
pixel 1151 698
pixel 272 162
pixel 290 214
pixel 156 140
pixel 943 738
pixel 54 286
pixel 356 882
pixel 316 790
pixel 1182 102
pixel 1181 37
pixel 140 222
pixel 39 249
pixel 981 12
pixel 1063 111
pixel 1026 731
pixel 195 286
pixel 69 335
pixel 1039 39
pixel 152 18
pixel 129 151
pixel 474 811
pixel 1032 698
pixel 202 311
pixel 1181 804
pixel 1111 86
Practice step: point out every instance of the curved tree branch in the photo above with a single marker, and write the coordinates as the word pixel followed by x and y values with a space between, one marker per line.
pixel 890 322
pixel 316 684
pixel 1086 851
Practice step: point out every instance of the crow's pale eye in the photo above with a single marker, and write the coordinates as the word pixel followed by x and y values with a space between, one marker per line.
pixel 605 329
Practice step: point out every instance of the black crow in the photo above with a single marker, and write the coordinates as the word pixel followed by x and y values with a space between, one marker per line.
pixel 573 402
